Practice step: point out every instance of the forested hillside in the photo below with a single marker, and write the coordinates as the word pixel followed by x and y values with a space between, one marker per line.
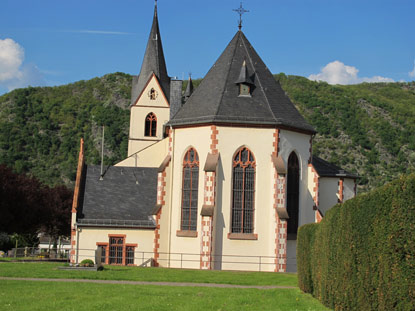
pixel 368 129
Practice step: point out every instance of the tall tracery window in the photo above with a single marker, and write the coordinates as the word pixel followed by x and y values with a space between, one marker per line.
pixel 243 191
pixel 189 190
pixel 293 182
pixel 150 125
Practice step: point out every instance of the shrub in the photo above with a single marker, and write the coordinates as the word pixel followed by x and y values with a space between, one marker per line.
pixel 303 257
pixel 362 255
pixel 87 263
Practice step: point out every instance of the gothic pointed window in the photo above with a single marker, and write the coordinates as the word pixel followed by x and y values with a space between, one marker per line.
pixel 190 190
pixel 243 191
pixel 150 125
pixel 293 182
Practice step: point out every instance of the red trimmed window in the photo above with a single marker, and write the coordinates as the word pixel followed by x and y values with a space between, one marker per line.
pixel 116 250
pixel 129 255
pixel 243 191
pixel 189 190
pixel 150 125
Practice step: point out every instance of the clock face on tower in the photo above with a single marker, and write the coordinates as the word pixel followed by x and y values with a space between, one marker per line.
pixel 152 94
pixel 244 89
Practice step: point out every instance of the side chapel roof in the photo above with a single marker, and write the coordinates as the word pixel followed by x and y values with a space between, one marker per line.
pixel 153 62
pixel 125 196
pixel 217 99
pixel 326 169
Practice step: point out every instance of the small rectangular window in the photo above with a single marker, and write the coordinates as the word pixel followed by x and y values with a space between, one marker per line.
pixel 129 255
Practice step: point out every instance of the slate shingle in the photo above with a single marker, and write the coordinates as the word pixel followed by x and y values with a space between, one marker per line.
pixel 326 169
pixel 217 97
pixel 124 194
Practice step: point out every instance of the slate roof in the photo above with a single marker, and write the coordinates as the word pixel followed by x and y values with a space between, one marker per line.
pixel 326 169
pixel 217 99
pixel 125 197
pixel 153 62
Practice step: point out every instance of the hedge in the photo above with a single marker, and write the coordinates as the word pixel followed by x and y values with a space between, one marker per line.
pixel 362 255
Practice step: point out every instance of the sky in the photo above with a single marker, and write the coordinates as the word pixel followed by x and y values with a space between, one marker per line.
pixel 48 43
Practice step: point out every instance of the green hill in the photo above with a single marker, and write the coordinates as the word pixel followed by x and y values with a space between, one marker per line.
pixel 367 128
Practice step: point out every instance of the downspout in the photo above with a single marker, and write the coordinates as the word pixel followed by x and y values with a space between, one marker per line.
pixel 171 190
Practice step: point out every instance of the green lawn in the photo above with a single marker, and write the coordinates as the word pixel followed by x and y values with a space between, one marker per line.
pixel 27 295
pixel 50 270
pixel 35 295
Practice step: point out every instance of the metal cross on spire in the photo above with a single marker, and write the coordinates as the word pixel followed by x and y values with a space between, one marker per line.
pixel 240 11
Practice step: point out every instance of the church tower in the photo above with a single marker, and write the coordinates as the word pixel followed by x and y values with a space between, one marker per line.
pixel 153 93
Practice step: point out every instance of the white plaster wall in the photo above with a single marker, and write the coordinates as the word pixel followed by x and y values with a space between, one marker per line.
pixel 139 112
pixel 89 237
pixel 138 117
pixel 249 253
pixel 164 241
pixel 260 142
pixel 328 188
pixel 160 101
pixel 300 143
pixel 348 189
pixel 183 139
pixel 152 156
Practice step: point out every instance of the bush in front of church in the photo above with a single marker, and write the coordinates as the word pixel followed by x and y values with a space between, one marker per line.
pixel 362 255
pixel 304 247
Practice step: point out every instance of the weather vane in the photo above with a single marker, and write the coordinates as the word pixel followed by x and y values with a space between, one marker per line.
pixel 240 11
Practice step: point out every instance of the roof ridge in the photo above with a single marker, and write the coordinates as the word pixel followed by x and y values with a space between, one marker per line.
pixel 259 80
pixel 227 74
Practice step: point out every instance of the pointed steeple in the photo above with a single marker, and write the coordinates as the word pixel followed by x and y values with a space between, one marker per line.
pixel 153 62
pixel 189 89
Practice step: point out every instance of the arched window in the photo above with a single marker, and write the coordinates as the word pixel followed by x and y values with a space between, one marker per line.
pixel 189 190
pixel 243 191
pixel 151 125
pixel 293 182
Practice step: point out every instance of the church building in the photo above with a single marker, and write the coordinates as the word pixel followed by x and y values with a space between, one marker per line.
pixel 219 177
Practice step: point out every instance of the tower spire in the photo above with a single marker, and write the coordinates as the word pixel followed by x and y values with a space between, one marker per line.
pixel 153 62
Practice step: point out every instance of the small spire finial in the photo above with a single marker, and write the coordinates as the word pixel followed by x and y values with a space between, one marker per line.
pixel 240 11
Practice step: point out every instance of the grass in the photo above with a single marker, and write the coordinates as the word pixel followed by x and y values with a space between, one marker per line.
pixel 35 295
pixel 50 270
pixel 21 295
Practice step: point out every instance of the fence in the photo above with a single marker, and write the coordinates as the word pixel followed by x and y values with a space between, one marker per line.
pixel 38 253
pixel 182 260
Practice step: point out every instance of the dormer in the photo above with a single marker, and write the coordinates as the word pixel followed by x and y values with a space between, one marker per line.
pixel 245 81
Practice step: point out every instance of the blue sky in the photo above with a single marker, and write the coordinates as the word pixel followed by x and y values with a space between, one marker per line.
pixel 47 42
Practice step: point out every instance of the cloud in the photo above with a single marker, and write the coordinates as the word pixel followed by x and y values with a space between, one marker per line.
pixel 412 73
pixel 338 73
pixel 13 72
pixel 11 58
